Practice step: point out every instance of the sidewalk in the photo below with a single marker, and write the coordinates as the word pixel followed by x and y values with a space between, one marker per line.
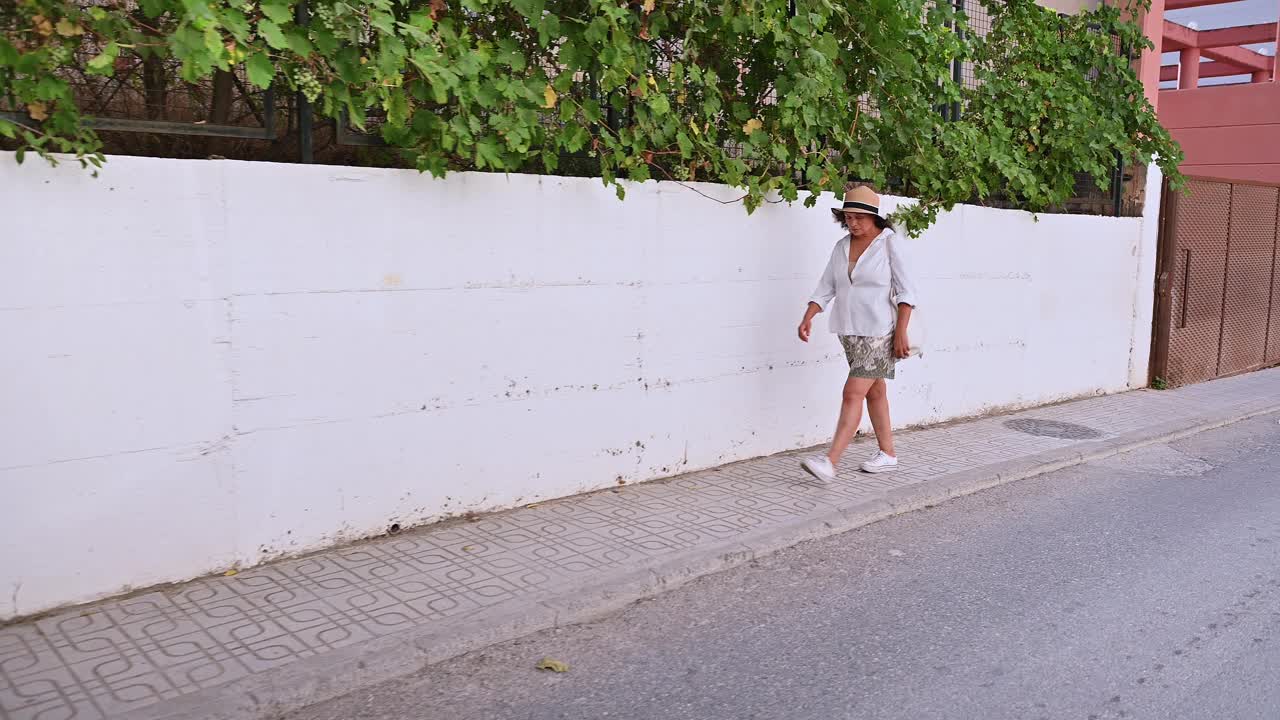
pixel 299 631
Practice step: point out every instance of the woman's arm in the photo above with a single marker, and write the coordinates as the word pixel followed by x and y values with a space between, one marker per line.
pixel 822 295
pixel 826 289
pixel 904 296
pixel 901 285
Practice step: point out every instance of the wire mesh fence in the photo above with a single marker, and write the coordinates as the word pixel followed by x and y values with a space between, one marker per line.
pixel 978 23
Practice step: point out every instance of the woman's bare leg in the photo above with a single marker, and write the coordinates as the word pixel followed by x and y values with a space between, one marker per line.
pixel 878 409
pixel 855 393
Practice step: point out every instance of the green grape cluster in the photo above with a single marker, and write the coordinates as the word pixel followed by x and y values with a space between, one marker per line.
pixel 324 13
pixel 307 84
pixel 60 55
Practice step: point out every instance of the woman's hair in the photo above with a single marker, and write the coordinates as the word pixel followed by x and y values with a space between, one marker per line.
pixel 881 223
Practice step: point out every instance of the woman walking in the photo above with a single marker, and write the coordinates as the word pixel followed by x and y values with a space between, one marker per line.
pixel 873 298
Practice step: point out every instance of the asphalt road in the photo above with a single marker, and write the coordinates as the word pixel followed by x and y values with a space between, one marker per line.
pixel 1145 586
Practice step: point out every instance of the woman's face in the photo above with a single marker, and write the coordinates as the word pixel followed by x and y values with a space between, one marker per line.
pixel 860 224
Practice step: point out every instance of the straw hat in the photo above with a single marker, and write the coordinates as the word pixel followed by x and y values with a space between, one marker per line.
pixel 862 200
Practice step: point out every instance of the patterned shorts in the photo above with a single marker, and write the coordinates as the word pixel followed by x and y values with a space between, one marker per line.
pixel 869 357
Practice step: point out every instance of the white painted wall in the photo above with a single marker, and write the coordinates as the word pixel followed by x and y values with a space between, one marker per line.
pixel 210 363
pixel 1144 306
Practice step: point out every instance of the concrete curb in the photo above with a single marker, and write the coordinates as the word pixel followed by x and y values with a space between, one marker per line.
pixel 323 677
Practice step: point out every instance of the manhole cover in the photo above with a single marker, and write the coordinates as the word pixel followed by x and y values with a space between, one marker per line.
pixel 1053 429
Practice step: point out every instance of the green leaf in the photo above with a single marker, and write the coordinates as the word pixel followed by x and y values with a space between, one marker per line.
pixel 563 82
pixel 598 31
pixel 271 33
pixel 153 8
pixel 384 22
pixel 298 42
pixel 686 145
pixel 391 57
pixel 277 10
pixel 575 137
pixel 327 44
pixel 105 62
pixel 213 47
pixel 531 9
pixel 488 154
pixel 197 9
pixel 439 92
pixel 486 95
pixel 397 108
pixel 571 56
pixel 235 23
pixel 549 30
pixel 8 129
pixel 260 70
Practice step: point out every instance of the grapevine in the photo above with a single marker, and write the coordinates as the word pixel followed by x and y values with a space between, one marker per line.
pixel 782 98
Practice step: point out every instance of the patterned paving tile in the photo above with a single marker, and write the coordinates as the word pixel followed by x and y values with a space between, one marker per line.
pixel 100 661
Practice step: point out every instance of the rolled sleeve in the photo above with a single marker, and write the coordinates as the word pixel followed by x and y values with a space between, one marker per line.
pixel 902 283
pixel 822 298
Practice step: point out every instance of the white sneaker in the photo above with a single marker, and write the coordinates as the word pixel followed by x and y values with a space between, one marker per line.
pixel 819 467
pixel 880 462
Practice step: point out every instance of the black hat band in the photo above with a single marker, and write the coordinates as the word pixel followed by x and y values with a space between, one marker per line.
pixel 853 205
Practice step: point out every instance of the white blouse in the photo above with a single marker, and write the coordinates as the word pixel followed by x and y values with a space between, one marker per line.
pixel 866 304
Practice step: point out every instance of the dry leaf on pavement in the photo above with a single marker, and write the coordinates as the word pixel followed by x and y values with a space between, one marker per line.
pixel 552 665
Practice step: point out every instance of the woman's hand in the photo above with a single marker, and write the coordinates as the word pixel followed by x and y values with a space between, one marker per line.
pixel 806 323
pixel 901 345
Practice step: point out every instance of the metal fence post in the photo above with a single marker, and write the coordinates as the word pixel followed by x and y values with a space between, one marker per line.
pixel 1117 184
pixel 269 112
pixel 1117 187
pixel 305 149
pixel 956 65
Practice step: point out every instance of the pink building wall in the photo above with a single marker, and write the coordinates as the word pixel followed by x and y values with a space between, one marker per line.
pixel 1227 131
